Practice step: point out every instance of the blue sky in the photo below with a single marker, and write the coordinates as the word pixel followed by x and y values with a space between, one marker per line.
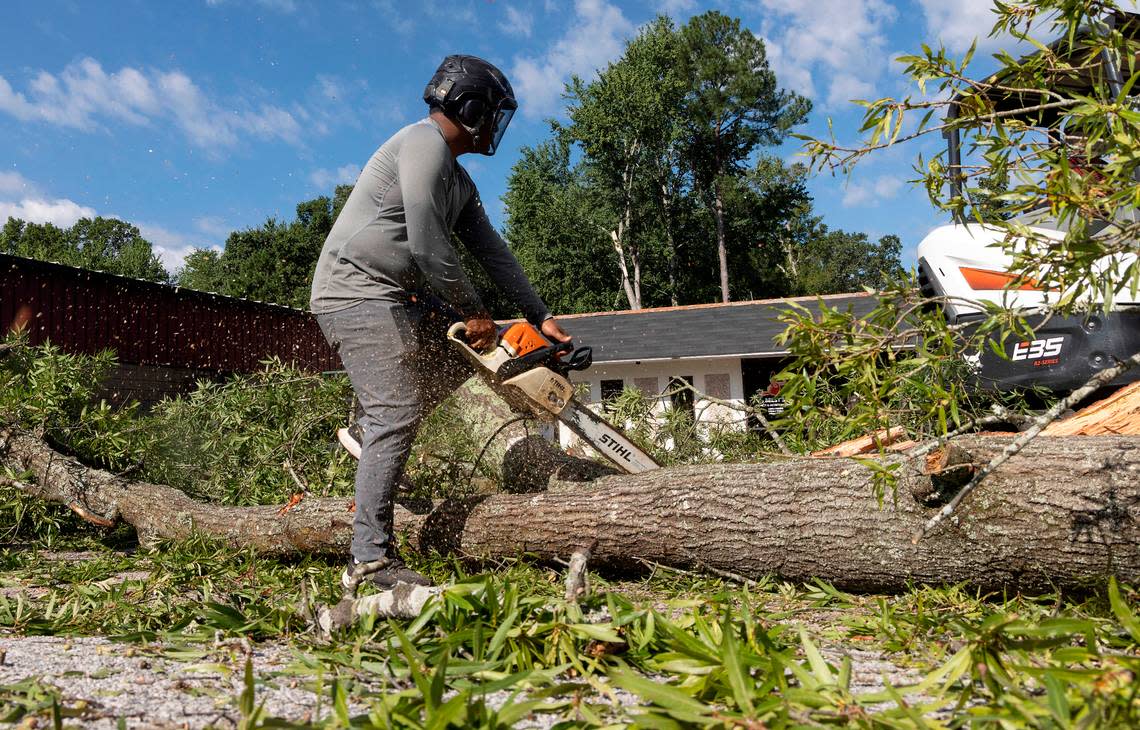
pixel 195 118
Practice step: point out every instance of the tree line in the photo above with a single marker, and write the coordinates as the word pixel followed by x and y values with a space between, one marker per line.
pixel 103 244
pixel 654 191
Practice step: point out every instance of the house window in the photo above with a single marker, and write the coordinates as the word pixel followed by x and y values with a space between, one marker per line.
pixel 717 385
pixel 612 389
pixel 647 386
pixel 680 395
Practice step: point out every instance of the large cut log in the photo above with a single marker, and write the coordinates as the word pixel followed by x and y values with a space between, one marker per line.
pixel 1063 512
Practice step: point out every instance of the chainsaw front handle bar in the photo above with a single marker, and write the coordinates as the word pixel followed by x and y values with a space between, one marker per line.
pixel 457 333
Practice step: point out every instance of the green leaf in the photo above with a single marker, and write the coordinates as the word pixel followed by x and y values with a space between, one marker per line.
pixel 734 668
pixel 340 702
pixel 1122 611
pixel 669 698
pixel 449 713
pixel 498 641
pixel 598 632
pixel 1058 700
pixel 818 665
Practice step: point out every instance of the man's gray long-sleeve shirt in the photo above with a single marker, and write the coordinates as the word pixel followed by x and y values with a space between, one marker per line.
pixel 393 235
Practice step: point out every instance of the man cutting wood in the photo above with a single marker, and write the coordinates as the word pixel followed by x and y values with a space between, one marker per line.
pixel 388 284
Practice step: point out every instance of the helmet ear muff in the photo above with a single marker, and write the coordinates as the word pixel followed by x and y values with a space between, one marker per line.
pixel 471 112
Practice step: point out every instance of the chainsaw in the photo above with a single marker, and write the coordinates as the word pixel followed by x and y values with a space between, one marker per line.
pixel 532 376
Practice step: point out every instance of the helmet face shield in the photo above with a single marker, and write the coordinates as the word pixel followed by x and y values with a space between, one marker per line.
pixel 499 124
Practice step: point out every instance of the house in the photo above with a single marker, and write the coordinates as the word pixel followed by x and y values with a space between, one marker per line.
pixel 728 352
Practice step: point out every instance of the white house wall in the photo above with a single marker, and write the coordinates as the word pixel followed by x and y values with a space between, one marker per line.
pixel 635 374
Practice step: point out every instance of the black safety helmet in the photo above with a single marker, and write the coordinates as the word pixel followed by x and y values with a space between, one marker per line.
pixel 477 95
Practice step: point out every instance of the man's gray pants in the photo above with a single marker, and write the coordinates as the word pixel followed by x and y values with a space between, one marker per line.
pixel 401 367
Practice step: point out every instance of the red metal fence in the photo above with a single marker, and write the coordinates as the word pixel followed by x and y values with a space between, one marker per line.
pixel 153 324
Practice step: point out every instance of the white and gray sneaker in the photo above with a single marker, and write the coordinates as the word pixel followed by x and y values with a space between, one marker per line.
pixel 351 438
pixel 388 577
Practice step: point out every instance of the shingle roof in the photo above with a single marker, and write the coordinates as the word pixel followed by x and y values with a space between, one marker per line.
pixel 746 329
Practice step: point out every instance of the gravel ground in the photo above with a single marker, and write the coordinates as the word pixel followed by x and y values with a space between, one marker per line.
pixel 103 681
pixel 108 681
pixel 156 686
pixel 139 684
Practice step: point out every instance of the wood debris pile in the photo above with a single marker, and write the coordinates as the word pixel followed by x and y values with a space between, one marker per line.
pixel 1115 415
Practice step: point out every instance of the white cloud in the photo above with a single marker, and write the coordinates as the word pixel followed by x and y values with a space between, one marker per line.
pixel 675 7
pixel 957 24
pixel 517 22
pixel 871 192
pixel 460 12
pixel 790 73
pixel 332 102
pixel 846 53
pixel 13 183
pixel 171 247
pixel 596 36
pixel 395 18
pixel 281 6
pixel 330 87
pixel 60 211
pixel 327 179
pixel 83 96
pixel 213 227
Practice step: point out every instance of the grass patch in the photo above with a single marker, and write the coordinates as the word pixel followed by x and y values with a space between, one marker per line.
pixel 669 650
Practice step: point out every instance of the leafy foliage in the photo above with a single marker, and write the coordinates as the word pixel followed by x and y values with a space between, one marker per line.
pixel 102 244
pixel 671 650
pixel 498 648
pixel 1048 162
pixel 554 229
pixel 655 180
pixel 273 262
pixel 732 104
pixel 247 440
pixel 252 439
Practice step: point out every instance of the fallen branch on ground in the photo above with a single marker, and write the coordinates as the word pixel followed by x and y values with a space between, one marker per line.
pixel 577 585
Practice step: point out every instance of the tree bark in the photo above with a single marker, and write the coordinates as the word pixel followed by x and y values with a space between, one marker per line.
pixel 670 242
pixel 1062 513
pixel 621 233
pixel 721 240
pixel 627 285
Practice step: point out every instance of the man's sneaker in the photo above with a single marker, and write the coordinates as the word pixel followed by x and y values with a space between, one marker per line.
pixel 388 577
pixel 351 438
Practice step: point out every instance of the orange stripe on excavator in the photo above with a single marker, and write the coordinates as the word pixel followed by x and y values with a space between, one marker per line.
pixel 985 279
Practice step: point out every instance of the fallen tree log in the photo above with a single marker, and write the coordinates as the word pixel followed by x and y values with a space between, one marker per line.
pixel 1063 513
